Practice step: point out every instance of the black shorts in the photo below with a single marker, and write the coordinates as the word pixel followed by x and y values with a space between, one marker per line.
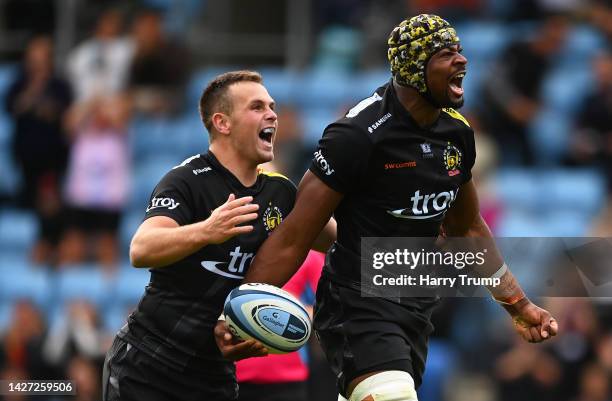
pixel 94 220
pixel 289 391
pixel 361 335
pixel 129 375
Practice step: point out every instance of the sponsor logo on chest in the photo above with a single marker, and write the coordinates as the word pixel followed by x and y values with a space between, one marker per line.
pixel 234 268
pixel 426 206
pixel 379 122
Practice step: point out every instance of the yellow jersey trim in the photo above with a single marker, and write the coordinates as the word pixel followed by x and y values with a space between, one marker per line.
pixel 272 174
pixel 455 114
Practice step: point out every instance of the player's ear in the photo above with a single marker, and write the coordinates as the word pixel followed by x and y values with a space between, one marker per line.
pixel 221 123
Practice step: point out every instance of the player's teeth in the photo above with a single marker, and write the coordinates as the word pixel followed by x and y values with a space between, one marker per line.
pixel 268 130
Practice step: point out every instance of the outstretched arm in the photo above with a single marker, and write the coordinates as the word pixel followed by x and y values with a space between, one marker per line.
pixel 463 219
pixel 284 251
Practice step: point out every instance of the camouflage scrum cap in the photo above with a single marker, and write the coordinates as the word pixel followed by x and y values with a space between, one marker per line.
pixel 412 43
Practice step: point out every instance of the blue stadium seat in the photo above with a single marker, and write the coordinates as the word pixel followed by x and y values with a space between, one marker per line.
pixel 18 230
pixel 476 72
pixel 314 121
pixel 566 223
pixel 114 317
pixel 517 189
pixel 130 220
pixel 365 83
pixel 564 89
pixel 581 191
pixel 83 282
pixel 520 223
pixel 189 135
pixel 130 286
pixel 441 361
pixel 19 280
pixel 282 84
pixel 483 41
pixel 549 135
pixel 6 313
pixel 325 88
pixel 200 79
pixel 145 177
pixel 582 43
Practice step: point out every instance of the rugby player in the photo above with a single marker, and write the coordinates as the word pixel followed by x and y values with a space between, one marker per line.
pixel 398 164
pixel 204 223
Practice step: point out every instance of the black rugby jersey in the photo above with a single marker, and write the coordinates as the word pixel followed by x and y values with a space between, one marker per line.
pixel 175 318
pixel 398 179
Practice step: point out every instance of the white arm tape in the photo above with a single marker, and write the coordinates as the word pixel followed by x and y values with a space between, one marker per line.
pixel 500 272
pixel 221 317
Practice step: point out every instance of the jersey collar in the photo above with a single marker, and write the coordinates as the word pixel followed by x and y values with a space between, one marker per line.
pixel 231 179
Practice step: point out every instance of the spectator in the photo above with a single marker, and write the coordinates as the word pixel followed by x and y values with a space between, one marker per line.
pixel 512 93
pixel 526 372
pixel 37 102
pixel 21 345
pixel 99 66
pixel 86 377
pixel 160 68
pixel 595 384
pixel 97 181
pixel 592 142
pixel 79 334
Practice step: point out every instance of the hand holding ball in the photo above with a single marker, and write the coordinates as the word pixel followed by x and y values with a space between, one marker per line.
pixel 269 315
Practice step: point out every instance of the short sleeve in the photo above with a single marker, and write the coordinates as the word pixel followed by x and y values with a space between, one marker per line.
pixel 342 157
pixel 173 198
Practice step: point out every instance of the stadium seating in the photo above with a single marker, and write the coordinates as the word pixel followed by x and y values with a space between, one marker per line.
pixel 18 231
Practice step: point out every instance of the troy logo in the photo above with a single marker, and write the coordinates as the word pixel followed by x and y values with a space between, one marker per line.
pixel 168 203
pixel 426 206
pixel 322 163
pixel 238 262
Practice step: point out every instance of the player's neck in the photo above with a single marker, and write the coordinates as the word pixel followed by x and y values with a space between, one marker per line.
pixel 244 171
pixel 423 112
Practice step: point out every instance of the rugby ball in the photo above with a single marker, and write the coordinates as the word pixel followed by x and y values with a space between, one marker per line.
pixel 269 315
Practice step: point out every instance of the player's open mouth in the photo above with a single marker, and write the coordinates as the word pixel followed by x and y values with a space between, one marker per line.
pixel 456 82
pixel 266 134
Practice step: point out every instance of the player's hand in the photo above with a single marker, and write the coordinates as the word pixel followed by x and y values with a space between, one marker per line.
pixel 224 222
pixel 234 349
pixel 533 323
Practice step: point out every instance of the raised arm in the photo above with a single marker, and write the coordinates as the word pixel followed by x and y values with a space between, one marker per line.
pixel 284 251
pixel 160 241
pixel 463 219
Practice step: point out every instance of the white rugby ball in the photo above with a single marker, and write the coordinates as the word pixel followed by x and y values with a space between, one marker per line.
pixel 269 315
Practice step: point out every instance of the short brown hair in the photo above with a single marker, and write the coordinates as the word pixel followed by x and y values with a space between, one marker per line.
pixel 215 99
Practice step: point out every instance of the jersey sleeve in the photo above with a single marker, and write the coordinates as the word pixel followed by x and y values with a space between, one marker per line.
pixel 172 197
pixel 342 156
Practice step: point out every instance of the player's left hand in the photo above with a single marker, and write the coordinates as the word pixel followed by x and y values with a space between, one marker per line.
pixel 233 349
pixel 533 323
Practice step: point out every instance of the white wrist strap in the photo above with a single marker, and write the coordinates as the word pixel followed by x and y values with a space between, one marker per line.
pixel 500 272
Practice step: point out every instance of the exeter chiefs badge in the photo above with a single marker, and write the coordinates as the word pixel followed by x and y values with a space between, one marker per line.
pixel 272 217
pixel 452 159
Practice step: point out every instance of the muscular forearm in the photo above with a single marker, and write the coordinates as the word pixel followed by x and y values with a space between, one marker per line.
pixel 161 246
pixel 279 258
pixel 326 237
pixel 508 291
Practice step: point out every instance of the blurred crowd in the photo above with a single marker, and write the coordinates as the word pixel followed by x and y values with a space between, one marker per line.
pixel 85 138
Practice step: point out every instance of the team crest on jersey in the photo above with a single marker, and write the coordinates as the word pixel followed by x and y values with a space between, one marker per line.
pixel 452 159
pixel 272 217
